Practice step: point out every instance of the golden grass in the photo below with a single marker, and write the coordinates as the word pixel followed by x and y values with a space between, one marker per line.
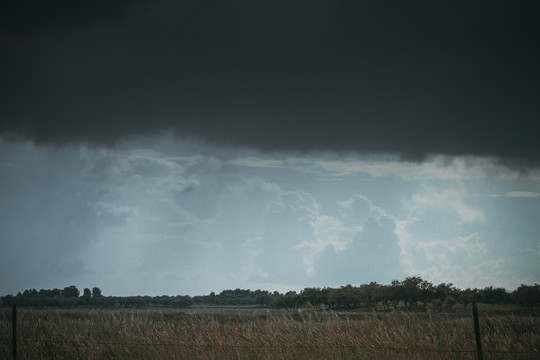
pixel 146 334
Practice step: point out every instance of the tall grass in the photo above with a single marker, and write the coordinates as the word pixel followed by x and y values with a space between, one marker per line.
pixel 139 334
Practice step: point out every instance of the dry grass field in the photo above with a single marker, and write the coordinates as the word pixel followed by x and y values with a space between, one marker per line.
pixel 262 334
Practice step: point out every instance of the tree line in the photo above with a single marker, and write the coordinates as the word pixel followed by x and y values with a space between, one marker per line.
pixel 413 293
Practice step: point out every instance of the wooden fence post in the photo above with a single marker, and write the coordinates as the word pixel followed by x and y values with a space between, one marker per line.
pixel 14 327
pixel 477 329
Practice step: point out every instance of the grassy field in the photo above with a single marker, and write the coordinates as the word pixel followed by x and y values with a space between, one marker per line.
pixel 214 333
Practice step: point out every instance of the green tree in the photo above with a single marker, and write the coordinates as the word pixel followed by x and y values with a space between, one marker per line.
pixel 96 292
pixel 426 292
pixel 389 294
pixel 289 303
pixel 86 294
pixel 71 291
pixel 411 290
pixel 527 295
pixel 464 297
pixel 370 295
pixel 30 293
pixel 490 295
pixel 315 296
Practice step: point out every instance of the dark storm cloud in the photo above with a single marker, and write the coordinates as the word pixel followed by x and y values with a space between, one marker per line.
pixel 29 17
pixel 412 77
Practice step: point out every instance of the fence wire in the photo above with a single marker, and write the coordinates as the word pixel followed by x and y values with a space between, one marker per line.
pixel 288 346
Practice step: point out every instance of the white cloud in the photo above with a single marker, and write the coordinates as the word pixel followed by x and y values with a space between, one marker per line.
pixel 299 228
pixel 516 194
pixel 359 206
pixel 438 249
pixel 329 231
pixel 435 168
pixel 113 213
pixel 462 260
pixel 433 247
pixel 448 200
pixel 535 251
pixel 473 275
pixel 252 161
pixel 339 232
pixel 525 194
pixel 406 240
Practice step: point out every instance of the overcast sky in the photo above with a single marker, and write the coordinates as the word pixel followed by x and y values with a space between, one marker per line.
pixel 185 147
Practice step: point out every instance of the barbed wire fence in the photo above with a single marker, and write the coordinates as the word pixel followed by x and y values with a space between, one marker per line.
pixel 277 346
pixel 283 347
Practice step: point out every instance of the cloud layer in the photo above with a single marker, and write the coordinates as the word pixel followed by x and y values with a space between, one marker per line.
pixel 176 219
pixel 411 78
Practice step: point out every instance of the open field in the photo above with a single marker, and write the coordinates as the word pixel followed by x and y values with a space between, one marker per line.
pixel 263 334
